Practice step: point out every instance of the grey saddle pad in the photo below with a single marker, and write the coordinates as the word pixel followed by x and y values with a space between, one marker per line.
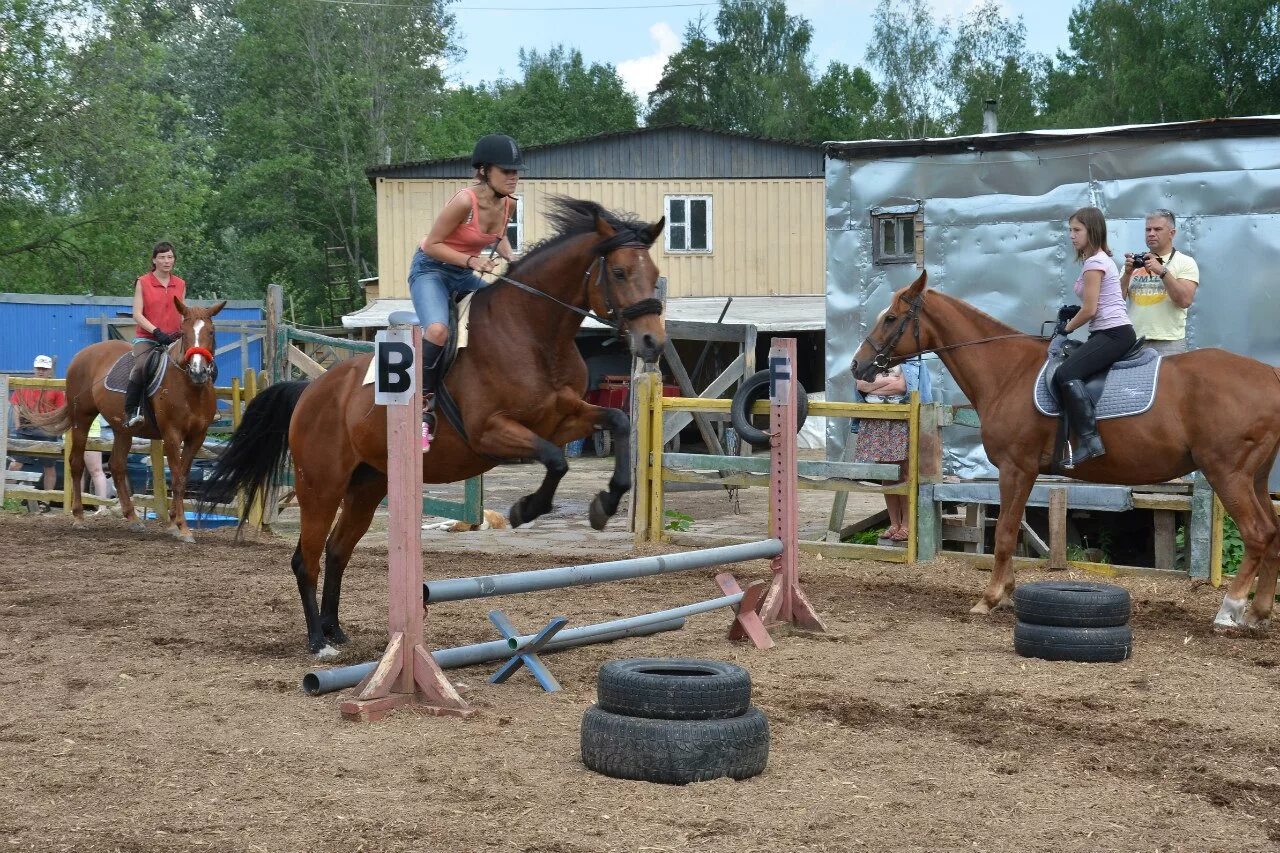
pixel 1130 388
pixel 118 377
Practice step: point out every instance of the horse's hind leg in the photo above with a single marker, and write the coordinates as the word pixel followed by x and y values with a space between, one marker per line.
pixel 318 506
pixel 1257 529
pixel 584 418
pixel 79 434
pixel 120 447
pixel 1265 597
pixel 364 493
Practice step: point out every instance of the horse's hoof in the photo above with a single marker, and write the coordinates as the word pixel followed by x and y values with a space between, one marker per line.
pixel 981 608
pixel 182 535
pixel 1231 615
pixel 77 523
pixel 336 636
pixel 328 653
pixel 137 525
pixel 597 514
pixel 516 515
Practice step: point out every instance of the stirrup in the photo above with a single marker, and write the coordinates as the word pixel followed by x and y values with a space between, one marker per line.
pixel 138 419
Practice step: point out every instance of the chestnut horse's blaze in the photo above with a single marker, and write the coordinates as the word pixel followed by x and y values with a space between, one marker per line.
pixel 1214 411
pixel 519 385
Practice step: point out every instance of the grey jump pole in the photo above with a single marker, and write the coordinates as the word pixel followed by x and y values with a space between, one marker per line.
pixel 461 589
pixel 322 681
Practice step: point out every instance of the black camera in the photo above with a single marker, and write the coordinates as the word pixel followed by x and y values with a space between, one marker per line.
pixel 1140 258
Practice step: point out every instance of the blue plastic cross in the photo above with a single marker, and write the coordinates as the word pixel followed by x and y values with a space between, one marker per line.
pixel 528 656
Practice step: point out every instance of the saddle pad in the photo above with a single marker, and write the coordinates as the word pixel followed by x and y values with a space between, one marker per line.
pixel 1130 388
pixel 463 333
pixel 118 377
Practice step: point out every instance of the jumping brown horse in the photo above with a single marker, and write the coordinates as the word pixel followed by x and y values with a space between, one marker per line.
pixel 519 385
pixel 184 405
pixel 1214 411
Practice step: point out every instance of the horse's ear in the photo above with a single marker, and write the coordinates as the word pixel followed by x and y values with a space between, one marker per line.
pixel 654 231
pixel 917 287
pixel 603 228
pixel 213 312
pixel 181 306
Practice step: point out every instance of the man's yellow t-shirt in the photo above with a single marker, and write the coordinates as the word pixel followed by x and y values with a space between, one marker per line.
pixel 1152 311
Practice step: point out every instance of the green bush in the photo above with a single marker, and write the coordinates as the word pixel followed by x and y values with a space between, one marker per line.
pixel 678 521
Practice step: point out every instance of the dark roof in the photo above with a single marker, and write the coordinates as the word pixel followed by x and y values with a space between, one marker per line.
pixel 1203 129
pixel 553 154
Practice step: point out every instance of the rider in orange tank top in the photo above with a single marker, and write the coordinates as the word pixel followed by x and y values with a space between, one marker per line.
pixel 450 258
pixel 158 322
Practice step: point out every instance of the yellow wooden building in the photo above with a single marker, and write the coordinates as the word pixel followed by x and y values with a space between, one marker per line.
pixel 744 214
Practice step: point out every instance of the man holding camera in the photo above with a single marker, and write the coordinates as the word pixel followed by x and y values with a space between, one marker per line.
pixel 1159 285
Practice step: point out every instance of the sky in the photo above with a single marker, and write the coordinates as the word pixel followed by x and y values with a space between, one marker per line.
pixel 639 40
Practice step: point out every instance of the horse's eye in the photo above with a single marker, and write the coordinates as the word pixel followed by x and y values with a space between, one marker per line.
pixel 889 318
pixel 619 273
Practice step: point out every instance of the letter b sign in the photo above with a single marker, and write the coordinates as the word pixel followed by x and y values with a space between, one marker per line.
pixel 395 367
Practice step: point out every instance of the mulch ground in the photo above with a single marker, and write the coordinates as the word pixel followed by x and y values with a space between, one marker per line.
pixel 153 705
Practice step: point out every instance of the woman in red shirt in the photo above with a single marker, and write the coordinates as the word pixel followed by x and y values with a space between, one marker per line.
pixel 158 322
pixel 449 259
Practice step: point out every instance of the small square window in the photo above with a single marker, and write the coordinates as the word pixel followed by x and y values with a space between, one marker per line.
pixel 894 238
pixel 689 225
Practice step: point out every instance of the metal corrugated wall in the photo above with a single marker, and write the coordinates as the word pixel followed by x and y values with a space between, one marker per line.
pixel 58 329
pixel 766 234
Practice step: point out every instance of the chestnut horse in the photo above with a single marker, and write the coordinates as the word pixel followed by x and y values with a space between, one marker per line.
pixel 184 405
pixel 1214 411
pixel 519 385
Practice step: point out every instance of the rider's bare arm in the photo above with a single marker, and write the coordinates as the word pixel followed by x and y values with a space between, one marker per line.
pixel 1089 300
pixel 143 323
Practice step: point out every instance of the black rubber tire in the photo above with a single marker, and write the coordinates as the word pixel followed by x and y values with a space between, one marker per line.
pixel 1087 645
pixel 1072 604
pixel 675 752
pixel 674 688
pixel 755 388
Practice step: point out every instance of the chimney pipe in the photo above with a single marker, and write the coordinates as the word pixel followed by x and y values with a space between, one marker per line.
pixel 989 116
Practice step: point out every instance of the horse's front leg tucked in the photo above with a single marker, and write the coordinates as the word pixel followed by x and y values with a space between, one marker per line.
pixel 581 420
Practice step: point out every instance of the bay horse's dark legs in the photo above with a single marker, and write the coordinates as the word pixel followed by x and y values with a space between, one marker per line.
pixel 317 507
pixel 605 504
pixel 364 493
pixel 1015 488
pixel 538 502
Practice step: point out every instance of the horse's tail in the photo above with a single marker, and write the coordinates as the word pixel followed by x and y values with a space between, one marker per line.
pixel 56 421
pixel 253 462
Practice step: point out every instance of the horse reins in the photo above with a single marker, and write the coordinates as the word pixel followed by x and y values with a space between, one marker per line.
pixel 884 361
pixel 641 308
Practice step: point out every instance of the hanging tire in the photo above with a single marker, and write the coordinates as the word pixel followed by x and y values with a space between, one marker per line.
pixel 674 689
pixel 1072 604
pixel 756 388
pixel 602 441
pixel 675 752
pixel 1087 645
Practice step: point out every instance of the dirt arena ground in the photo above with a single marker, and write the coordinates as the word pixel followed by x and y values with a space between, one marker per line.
pixel 154 706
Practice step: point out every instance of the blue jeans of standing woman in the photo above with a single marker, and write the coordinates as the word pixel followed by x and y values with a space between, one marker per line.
pixel 432 283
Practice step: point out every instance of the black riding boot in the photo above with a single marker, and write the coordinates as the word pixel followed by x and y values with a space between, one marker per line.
pixel 1081 417
pixel 432 355
pixel 133 415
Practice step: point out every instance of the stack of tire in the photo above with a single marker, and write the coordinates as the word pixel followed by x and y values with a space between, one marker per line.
pixel 675 721
pixel 1073 620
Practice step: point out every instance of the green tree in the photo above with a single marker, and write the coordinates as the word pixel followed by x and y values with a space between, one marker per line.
pixel 989 59
pixel 843 105
pixel 560 97
pixel 754 77
pixel 908 49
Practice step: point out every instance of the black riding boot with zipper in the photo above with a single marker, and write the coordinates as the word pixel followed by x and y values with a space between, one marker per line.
pixel 1083 421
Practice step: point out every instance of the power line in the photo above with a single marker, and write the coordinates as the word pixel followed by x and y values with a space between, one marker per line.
pixel 524 8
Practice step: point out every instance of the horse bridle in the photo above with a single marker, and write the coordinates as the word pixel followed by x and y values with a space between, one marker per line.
pixel 884 358
pixel 616 318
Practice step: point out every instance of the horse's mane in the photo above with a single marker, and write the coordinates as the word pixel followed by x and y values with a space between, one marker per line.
pixel 572 217
pixel 976 310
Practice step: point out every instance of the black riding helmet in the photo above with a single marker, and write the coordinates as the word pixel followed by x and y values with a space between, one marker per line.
pixel 497 149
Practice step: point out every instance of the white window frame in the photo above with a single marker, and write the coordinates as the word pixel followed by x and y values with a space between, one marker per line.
pixel 517 245
pixel 667 232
